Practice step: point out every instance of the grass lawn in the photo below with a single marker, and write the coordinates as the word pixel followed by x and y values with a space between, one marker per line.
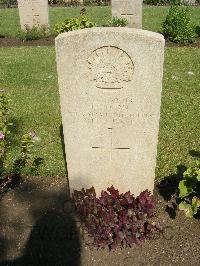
pixel 29 74
pixel 152 17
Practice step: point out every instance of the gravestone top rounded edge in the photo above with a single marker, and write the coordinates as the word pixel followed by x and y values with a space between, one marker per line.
pixel 154 36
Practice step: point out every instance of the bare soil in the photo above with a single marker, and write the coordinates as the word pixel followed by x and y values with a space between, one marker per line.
pixel 37 227
pixel 12 42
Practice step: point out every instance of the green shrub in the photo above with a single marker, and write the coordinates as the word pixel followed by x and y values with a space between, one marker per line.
pixel 71 24
pixel 97 2
pixel 34 33
pixel 61 2
pixel 162 2
pixel 8 3
pixel 117 22
pixel 189 190
pixel 178 27
pixel 55 2
pixel 78 2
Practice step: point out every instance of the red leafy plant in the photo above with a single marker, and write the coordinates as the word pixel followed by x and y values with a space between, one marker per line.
pixel 115 219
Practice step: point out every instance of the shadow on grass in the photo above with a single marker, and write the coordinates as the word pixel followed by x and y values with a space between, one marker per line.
pixel 20 164
pixel 169 185
pixel 168 188
pixel 63 150
pixel 197 30
pixel 195 154
pixel 53 238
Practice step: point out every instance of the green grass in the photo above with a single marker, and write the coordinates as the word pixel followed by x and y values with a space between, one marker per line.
pixel 152 17
pixel 29 74
pixel 180 112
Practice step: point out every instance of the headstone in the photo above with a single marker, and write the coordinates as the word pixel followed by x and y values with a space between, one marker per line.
pixel 33 13
pixel 110 82
pixel 131 10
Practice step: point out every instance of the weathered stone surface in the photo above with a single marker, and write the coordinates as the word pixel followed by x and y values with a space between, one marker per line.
pixel 33 13
pixel 131 10
pixel 110 82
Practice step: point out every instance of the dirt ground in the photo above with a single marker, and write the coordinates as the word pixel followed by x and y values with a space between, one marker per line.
pixel 15 42
pixel 37 227
pixel 12 42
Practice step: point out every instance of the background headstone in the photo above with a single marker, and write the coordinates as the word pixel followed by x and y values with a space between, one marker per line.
pixel 110 82
pixel 33 13
pixel 131 10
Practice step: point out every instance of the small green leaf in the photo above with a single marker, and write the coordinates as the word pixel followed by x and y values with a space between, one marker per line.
pixel 195 203
pixel 187 208
pixel 198 175
pixel 184 189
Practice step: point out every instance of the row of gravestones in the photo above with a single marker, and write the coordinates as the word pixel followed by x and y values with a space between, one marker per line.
pixel 110 82
pixel 35 12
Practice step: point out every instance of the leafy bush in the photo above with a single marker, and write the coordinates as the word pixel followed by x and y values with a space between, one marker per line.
pixel 25 158
pixel 162 2
pixel 63 2
pixel 115 219
pixel 117 22
pixel 178 27
pixel 56 2
pixel 97 2
pixel 71 24
pixel 8 3
pixel 34 33
pixel 189 190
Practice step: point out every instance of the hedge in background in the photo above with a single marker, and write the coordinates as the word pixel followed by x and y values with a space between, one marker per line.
pixel 162 2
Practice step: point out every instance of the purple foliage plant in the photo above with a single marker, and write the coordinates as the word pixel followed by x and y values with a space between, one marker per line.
pixel 115 219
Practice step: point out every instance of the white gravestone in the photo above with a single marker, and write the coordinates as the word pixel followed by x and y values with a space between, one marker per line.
pixel 33 13
pixel 131 10
pixel 110 82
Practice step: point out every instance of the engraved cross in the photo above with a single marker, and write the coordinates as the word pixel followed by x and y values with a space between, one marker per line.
pixel 127 14
pixel 110 148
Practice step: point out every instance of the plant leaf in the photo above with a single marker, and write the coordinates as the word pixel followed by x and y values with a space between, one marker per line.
pixel 198 175
pixel 115 219
pixel 184 189
pixel 187 208
pixel 195 203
